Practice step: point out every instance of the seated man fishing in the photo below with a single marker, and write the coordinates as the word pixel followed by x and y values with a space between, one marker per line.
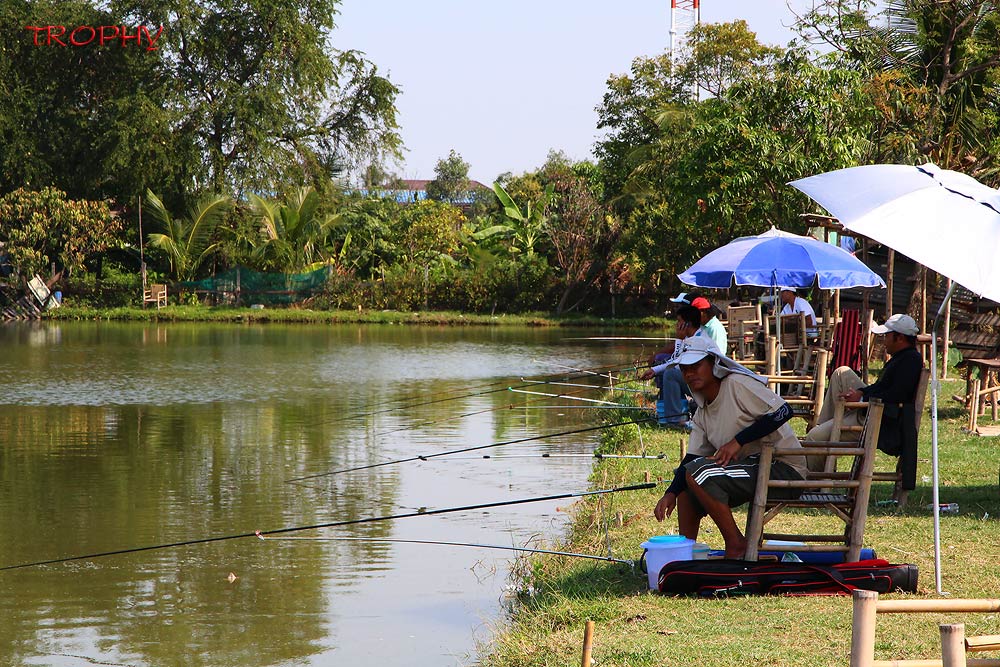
pixel 673 389
pixel 896 387
pixel 736 414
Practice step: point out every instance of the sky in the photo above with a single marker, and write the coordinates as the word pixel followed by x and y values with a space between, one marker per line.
pixel 503 83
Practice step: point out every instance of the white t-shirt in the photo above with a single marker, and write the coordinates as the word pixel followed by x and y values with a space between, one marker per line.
pixel 742 400
pixel 800 306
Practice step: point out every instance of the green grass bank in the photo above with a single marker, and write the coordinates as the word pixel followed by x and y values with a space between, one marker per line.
pixel 306 316
pixel 636 628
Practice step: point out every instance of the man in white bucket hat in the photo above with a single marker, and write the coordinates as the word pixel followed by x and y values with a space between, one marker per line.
pixel 736 414
pixel 896 387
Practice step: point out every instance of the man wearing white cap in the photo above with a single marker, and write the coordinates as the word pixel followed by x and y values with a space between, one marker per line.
pixel 896 388
pixel 795 304
pixel 736 414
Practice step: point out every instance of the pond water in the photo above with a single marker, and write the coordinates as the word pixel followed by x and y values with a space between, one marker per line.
pixel 115 436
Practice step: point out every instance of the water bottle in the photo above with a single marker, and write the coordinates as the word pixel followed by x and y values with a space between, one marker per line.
pixel 945 508
pixel 660 416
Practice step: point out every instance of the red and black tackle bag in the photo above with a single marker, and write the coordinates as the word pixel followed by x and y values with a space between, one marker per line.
pixel 725 578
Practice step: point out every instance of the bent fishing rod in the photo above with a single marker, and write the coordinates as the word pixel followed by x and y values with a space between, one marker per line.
pixel 331 524
pixel 391 540
pixel 425 457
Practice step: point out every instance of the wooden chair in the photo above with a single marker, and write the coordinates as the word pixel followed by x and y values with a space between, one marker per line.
pixel 841 433
pixel 805 391
pixel 156 293
pixel 849 503
pixel 743 322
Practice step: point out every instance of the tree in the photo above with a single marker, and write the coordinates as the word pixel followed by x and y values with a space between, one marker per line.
pixel 188 242
pixel 941 60
pixel 43 227
pixel 451 180
pixel 263 95
pixel 527 226
pixel 94 122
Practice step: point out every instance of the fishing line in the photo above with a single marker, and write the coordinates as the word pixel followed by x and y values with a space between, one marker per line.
pixel 450 544
pixel 469 449
pixel 573 384
pixel 595 455
pixel 431 422
pixel 569 396
pixel 407 406
pixel 332 524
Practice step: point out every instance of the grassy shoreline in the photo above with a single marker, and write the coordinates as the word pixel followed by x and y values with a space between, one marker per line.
pixel 636 628
pixel 300 315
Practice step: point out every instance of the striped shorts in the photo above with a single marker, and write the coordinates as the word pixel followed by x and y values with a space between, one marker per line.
pixel 734 484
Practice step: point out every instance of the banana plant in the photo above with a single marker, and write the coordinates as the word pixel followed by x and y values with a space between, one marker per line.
pixel 526 226
pixel 189 241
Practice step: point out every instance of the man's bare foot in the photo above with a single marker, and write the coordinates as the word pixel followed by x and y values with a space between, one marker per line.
pixel 736 549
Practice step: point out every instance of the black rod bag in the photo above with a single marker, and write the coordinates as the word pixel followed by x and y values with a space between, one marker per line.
pixel 724 578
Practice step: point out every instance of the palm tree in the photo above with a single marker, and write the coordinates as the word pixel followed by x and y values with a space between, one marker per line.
pixel 294 235
pixel 189 241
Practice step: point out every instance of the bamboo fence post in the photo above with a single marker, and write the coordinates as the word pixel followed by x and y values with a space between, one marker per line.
pixel 863 629
pixel 588 640
pixel 646 477
pixel 953 644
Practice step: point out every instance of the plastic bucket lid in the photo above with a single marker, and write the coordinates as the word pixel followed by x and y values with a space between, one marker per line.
pixel 668 540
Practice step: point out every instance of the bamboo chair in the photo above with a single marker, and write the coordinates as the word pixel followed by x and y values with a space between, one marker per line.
pixel 805 391
pixel 843 433
pixel 742 324
pixel 157 294
pixel 849 502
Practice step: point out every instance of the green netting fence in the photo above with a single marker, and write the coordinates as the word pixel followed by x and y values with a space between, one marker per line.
pixel 242 286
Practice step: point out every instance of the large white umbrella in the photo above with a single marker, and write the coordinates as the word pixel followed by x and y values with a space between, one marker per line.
pixel 945 220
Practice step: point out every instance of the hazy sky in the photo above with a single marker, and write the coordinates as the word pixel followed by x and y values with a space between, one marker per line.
pixel 504 82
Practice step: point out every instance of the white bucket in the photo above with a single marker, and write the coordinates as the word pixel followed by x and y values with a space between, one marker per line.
pixel 661 550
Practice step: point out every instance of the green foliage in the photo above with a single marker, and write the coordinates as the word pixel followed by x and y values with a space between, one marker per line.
pixel 293 236
pixel 188 242
pixel 451 179
pixel 38 228
pixel 368 236
pixel 94 122
pixel 526 226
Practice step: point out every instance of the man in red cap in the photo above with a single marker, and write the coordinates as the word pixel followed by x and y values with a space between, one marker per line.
pixel 710 324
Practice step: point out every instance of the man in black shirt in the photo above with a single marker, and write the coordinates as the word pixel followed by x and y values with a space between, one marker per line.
pixel 896 387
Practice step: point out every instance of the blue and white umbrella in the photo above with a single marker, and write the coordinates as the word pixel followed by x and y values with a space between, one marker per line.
pixel 780 259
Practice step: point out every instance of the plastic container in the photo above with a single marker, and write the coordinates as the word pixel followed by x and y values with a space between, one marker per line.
pixel 663 549
pixel 945 508
pixel 700 550
pixel 660 416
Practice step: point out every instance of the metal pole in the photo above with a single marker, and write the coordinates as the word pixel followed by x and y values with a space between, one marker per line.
pixel 935 388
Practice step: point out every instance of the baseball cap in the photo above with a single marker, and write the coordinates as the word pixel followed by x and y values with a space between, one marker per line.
pixel 701 303
pixel 695 349
pixel 682 298
pixel 899 323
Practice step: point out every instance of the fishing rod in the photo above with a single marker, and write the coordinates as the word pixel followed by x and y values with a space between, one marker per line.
pixel 407 406
pixel 468 449
pixel 575 384
pixel 585 371
pixel 577 407
pixel 331 524
pixel 430 422
pixel 572 398
pixel 595 455
pixel 449 544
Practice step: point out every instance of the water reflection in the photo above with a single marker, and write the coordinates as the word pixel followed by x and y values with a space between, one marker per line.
pixel 114 436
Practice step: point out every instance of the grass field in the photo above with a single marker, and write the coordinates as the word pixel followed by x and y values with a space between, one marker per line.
pixel 635 628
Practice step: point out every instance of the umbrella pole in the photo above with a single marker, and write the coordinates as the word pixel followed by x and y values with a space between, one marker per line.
pixel 935 385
